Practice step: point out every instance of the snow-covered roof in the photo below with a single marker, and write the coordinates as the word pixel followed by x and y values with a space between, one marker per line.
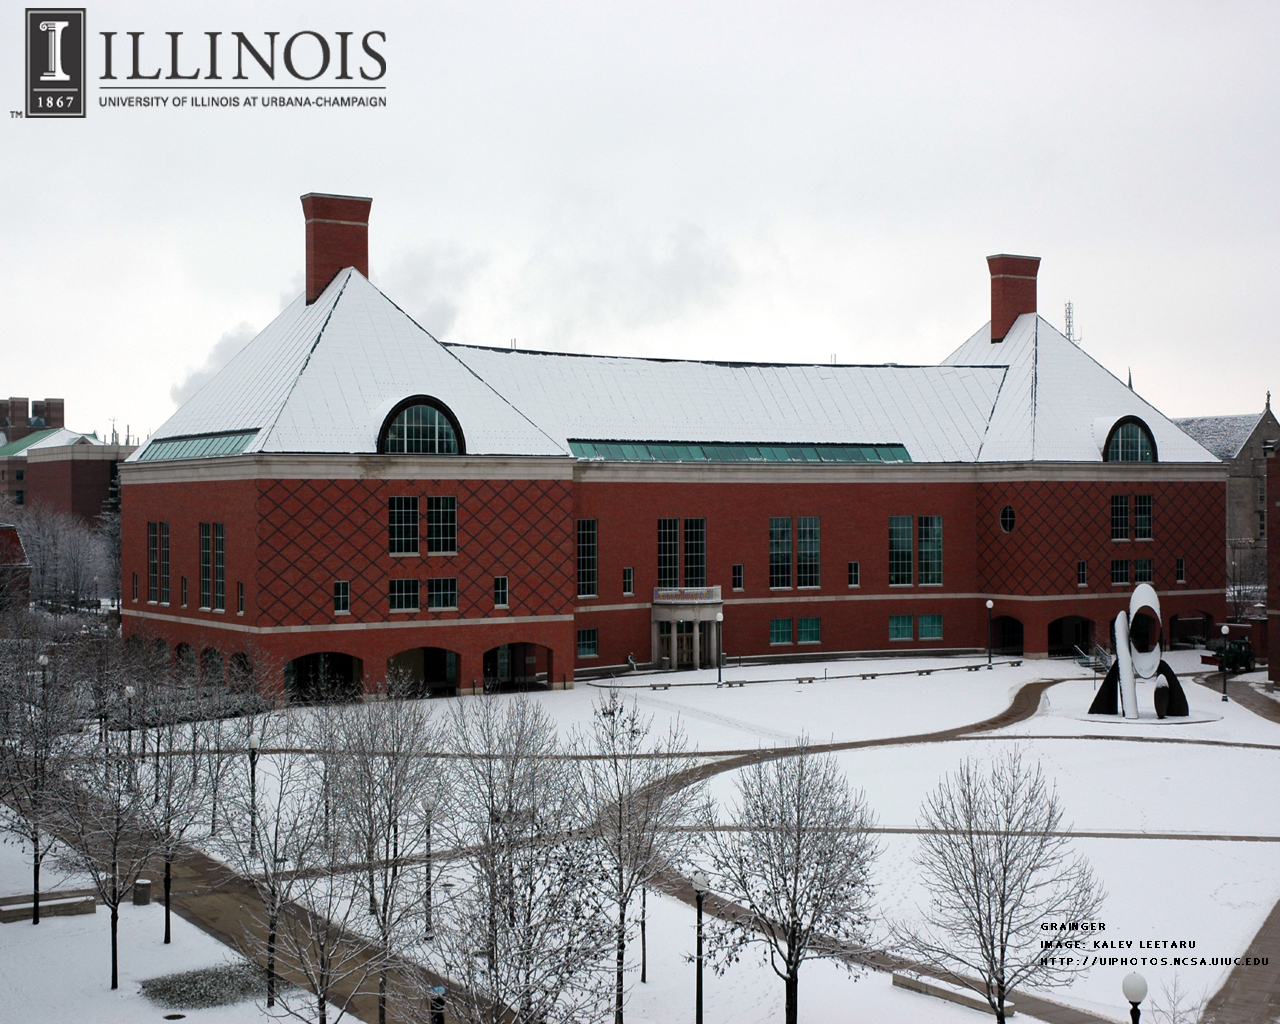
pixel 323 377
pixel 1222 435
pixel 939 413
pixel 49 437
pixel 1058 404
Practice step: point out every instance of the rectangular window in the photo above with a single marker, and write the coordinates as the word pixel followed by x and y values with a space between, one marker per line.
pixel 219 567
pixel 501 596
pixel 780 555
pixel 737 576
pixel 808 552
pixel 1262 490
pixel 930 627
pixel 809 631
pixel 206 566
pixel 695 552
pixel 1082 574
pixel 779 631
pixel 153 562
pixel 668 552
pixel 442 594
pixel 184 591
pixel 929 549
pixel 900 626
pixel 1143 570
pixel 1119 517
pixel 1142 516
pixel 1119 570
pixel 588 643
pixel 164 563
pixel 628 581
pixel 341 597
pixel 1262 525
pixel 402 524
pixel 135 586
pixel 442 526
pixel 18 498
pixel 900 551
pixel 239 598
pixel 404 595
pixel 1180 570
pixel 587 558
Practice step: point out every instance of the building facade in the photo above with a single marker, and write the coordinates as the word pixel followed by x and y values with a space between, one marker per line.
pixel 351 503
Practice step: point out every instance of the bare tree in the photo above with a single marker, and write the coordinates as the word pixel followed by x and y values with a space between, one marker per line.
pixel 996 861
pixel 176 780
pixel 798 862
pixel 103 820
pixel 1177 1005
pixel 642 815
pixel 1246 579
pixel 41 709
pixel 387 789
pixel 526 936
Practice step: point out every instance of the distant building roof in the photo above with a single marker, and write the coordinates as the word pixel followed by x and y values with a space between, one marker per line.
pixel 23 443
pixel 323 378
pixel 1222 435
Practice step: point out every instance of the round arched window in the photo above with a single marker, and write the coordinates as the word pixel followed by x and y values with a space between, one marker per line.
pixel 1008 520
pixel 1130 441
pixel 420 426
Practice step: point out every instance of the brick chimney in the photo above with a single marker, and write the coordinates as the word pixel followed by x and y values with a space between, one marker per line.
pixel 1013 290
pixel 337 237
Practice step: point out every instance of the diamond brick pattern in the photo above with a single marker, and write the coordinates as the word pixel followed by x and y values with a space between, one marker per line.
pixel 311 532
pixel 1059 522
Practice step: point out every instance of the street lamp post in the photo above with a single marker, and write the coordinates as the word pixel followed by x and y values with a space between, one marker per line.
pixel 1134 988
pixel 1225 632
pixel 255 741
pixel 719 648
pixel 128 699
pixel 990 605
pixel 701 883
pixel 428 808
pixel 43 662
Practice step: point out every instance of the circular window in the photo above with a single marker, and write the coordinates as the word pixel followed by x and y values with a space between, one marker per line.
pixel 1007 519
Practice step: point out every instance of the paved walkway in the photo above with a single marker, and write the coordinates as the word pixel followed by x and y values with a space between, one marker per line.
pixel 209 895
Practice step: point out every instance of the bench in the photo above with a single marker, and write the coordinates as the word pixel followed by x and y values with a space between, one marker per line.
pixel 739 682
pixel 54 905
pixel 867 675
pixel 804 679
pixel 925 672
pixel 972 668
pixel 1015 664
pixel 659 686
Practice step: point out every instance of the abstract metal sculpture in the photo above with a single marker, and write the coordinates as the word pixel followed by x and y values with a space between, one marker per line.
pixel 1139 659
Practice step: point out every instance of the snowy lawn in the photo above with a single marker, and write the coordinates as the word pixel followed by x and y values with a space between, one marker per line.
pixel 60 970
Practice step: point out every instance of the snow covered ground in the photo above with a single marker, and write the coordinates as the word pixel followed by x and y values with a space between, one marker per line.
pixel 60 970
pixel 1215 892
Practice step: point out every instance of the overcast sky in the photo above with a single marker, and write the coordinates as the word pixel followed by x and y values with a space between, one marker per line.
pixel 747 181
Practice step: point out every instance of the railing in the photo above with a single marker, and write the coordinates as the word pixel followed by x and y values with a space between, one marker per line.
pixel 686 595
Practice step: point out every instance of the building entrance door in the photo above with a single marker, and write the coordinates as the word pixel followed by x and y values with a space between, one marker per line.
pixel 684 644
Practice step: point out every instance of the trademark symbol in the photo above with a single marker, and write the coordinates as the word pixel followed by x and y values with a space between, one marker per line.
pixel 15 113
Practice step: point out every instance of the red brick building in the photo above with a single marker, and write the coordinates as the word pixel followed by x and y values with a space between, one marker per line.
pixel 350 500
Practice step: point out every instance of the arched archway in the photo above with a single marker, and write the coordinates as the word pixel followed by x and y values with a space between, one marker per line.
pixel 240 673
pixel 1006 635
pixel 518 666
pixel 1069 633
pixel 422 672
pixel 184 664
pixel 323 676
pixel 211 667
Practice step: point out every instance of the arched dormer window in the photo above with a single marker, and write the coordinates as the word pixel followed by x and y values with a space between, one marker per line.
pixel 421 426
pixel 1130 440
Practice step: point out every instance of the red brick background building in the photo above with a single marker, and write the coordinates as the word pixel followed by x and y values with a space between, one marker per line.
pixel 350 502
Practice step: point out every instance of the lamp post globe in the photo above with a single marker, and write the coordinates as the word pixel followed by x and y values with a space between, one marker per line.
pixel 255 742
pixel 719 648
pixel 1226 631
pixel 701 883
pixel 990 604
pixel 1134 987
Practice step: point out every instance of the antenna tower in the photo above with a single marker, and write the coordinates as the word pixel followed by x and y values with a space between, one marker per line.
pixel 1071 323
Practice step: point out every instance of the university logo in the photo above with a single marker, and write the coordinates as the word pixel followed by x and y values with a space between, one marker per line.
pixel 55 62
